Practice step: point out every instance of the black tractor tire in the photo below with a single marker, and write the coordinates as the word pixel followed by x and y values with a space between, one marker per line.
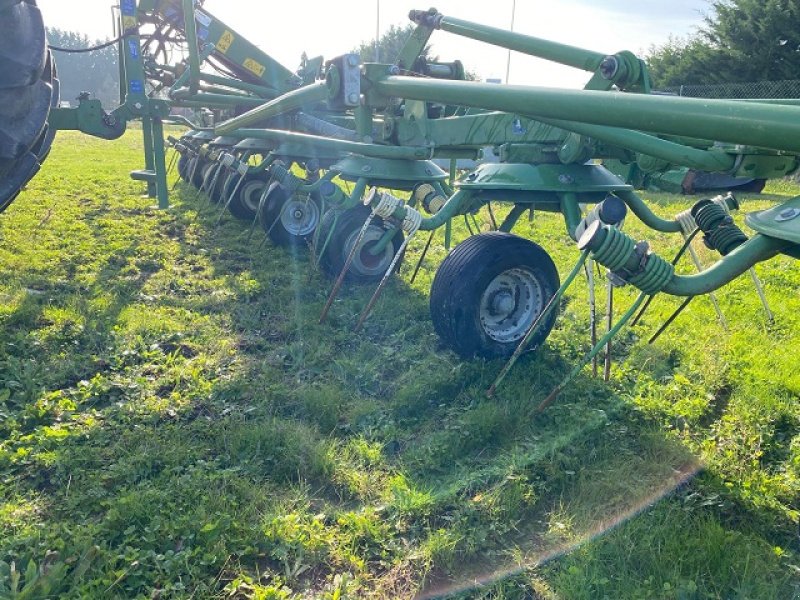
pixel 290 224
pixel 488 292
pixel 29 89
pixel 365 268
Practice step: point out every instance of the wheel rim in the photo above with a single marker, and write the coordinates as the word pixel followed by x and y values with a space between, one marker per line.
pixel 251 194
pixel 364 262
pixel 510 303
pixel 300 216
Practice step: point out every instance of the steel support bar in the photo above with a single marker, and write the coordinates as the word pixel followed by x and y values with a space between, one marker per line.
pixel 343 146
pixel 758 249
pixel 775 126
pixel 190 29
pixel 160 161
pixel 694 158
pixel 571 56
pixel 647 216
pixel 316 92
pixel 209 100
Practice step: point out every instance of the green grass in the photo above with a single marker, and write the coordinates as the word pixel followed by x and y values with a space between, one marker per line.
pixel 174 423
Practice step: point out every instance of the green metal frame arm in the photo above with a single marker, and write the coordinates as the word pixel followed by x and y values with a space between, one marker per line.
pixel 90 118
pixel 694 158
pixel 181 120
pixel 190 29
pixel 768 126
pixel 546 49
pixel 210 100
pixel 414 46
pixel 645 215
pixel 758 249
pixel 328 144
pixel 294 100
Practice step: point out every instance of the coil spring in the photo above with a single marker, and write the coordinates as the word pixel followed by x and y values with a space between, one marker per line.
pixel 614 254
pixel 615 250
pixel 721 233
pixel 657 273
pixel 286 178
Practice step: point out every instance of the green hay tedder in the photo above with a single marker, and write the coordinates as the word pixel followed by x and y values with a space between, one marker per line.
pixel 345 156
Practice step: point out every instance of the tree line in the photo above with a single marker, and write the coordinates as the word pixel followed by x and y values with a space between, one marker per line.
pixel 740 41
pixel 95 72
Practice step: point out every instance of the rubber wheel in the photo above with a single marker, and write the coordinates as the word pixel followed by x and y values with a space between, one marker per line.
pixel 218 179
pixel 244 204
pixel 29 89
pixel 290 220
pixel 183 166
pixel 488 292
pixel 366 267
pixel 196 168
pixel 206 175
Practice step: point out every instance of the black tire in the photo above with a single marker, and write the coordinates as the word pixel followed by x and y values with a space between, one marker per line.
pixel 228 185
pixel 487 293
pixel 365 268
pixel 244 204
pixel 196 171
pixel 183 166
pixel 293 223
pixel 214 192
pixel 29 89
pixel 206 175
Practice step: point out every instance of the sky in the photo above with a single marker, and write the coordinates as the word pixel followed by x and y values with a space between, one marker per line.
pixel 333 27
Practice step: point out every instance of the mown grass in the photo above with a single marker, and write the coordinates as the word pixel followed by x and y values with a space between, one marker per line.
pixel 175 423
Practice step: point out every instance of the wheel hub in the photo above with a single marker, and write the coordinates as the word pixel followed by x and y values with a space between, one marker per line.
pixel 300 216
pixel 503 302
pixel 365 261
pixel 510 303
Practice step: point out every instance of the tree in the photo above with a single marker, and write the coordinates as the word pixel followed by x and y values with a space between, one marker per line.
pixel 389 45
pixel 96 72
pixel 741 41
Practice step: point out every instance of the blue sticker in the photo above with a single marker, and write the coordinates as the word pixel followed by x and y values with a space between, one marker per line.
pixel 202 33
pixel 128 7
pixel 517 128
pixel 137 87
pixel 133 48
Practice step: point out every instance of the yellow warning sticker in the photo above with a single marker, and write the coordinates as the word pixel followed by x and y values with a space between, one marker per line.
pixel 225 42
pixel 128 22
pixel 254 67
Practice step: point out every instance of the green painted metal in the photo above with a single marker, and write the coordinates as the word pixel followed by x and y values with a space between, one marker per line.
pixel 387 172
pixel 623 69
pixel 160 159
pixel 647 216
pixel 204 99
pixel 90 118
pixel 781 222
pixel 543 178
pixel 245 59
pixel 327 144
pixel 294 100
pixel 708 160
pixel 552 51
pixel 767 126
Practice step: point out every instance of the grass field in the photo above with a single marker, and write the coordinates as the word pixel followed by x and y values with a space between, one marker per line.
pixel 174 423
